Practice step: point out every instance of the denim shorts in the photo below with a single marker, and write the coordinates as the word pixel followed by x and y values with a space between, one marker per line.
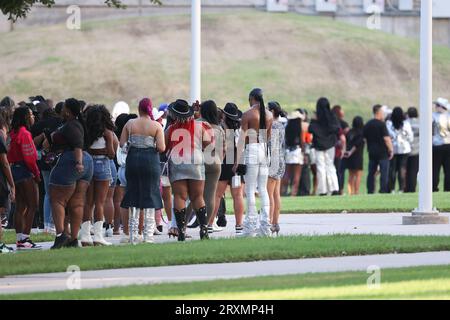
pixel 113 174
pixel 102 169
pixel 64 172
pixel 20 172
pixel 122 177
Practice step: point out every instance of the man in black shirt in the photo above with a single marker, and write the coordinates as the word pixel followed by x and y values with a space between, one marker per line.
pixel 380 149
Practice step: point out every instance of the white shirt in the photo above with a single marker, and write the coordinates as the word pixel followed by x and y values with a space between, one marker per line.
pixel 401 138
pixel 441 128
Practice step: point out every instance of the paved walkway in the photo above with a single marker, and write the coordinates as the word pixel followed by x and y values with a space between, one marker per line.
pixel 188 273
pixel 322 224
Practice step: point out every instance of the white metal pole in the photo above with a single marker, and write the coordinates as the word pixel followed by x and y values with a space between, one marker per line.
pixel 196 51
pixel 425 213
pixel 426 98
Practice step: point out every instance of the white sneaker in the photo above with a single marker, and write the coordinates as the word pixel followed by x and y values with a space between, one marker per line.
pixel 216 228
pixel 109 233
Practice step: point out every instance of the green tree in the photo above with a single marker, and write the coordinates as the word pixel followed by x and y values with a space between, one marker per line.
pixel 17 9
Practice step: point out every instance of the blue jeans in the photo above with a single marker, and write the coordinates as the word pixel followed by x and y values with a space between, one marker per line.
pixel 384 175
pixel 48 218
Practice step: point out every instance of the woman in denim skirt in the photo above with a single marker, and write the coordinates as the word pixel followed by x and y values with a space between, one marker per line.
pixel 70 177
pixel 100 141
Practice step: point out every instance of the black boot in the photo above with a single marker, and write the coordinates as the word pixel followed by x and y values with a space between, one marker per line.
pixel 180 217
pixel 60 242
pixel 201 217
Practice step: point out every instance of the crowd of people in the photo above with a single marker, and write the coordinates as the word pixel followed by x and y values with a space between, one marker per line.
pixel 91 174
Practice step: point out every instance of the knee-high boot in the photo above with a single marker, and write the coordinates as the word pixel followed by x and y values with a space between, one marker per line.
pixel 149 225
pixel 133 225
pixel 202 219
pixel 180 217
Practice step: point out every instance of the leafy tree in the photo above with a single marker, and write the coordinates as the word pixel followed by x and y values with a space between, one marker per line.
pixel 17 9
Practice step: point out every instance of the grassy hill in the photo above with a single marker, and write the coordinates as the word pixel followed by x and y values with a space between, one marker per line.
pixel 294 58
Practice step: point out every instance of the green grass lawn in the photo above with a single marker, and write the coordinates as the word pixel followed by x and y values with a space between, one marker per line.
pixel 406 283
pixel 405 202
pixel 216 251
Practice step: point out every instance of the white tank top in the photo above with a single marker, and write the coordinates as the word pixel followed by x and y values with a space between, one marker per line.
pixel 98 144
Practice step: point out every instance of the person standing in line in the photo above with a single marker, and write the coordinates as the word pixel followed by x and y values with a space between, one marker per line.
pixel 325 129
pixel 100 138
pixel 256 130
pixel 121 214
pixel 293 154
pixel 7 187
pixel 412 166
pixel 70 177
pixel 402 136
pixel 145 138
pixel 109 202
pixel 186 139
pixel 341 146
pixel 381 151
pixel 277 166
pixel 48 124
pixel 441 143
pixel 231 124
pixel 22 156
pixel 213 159
pixel 354 155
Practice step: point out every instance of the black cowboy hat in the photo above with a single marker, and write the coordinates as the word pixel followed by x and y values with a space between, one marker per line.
pixel 232 112
pixel 181 109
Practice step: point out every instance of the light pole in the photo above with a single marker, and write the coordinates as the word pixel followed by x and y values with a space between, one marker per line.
pixel 196 17
pixel 425 213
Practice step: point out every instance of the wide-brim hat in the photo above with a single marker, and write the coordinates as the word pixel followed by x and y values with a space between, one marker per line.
pixel 441 102
pixel 232 112
pixel 181 109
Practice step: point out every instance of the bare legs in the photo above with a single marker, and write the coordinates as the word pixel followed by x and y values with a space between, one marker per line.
pixel 354 181
pixel 167 200
pixel 238 201
pixel 27 199
pixel 100 190
pixel 72 198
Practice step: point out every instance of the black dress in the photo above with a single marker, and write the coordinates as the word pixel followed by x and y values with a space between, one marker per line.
pixel 355 139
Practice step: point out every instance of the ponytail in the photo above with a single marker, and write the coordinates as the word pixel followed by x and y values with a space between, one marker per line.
pixel 257 94
pixel 262 114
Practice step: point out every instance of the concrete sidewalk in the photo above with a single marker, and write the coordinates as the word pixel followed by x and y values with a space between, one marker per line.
pixel 323 224
pixel 189 273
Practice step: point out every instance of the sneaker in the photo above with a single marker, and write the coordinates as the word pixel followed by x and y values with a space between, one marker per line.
pixel 109 231
pixel 222 221
pixel 210 229
pixel 27 244
pixel 216 228
pixel 60 242
pixel 239 229
pixel 194 225
pixel 158 231
pixel 5 249
pixel 4 221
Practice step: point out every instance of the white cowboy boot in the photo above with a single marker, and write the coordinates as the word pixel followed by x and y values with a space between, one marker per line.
pixel 85 234
pixel 133 225
pixel 149 225
pixel 98 235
